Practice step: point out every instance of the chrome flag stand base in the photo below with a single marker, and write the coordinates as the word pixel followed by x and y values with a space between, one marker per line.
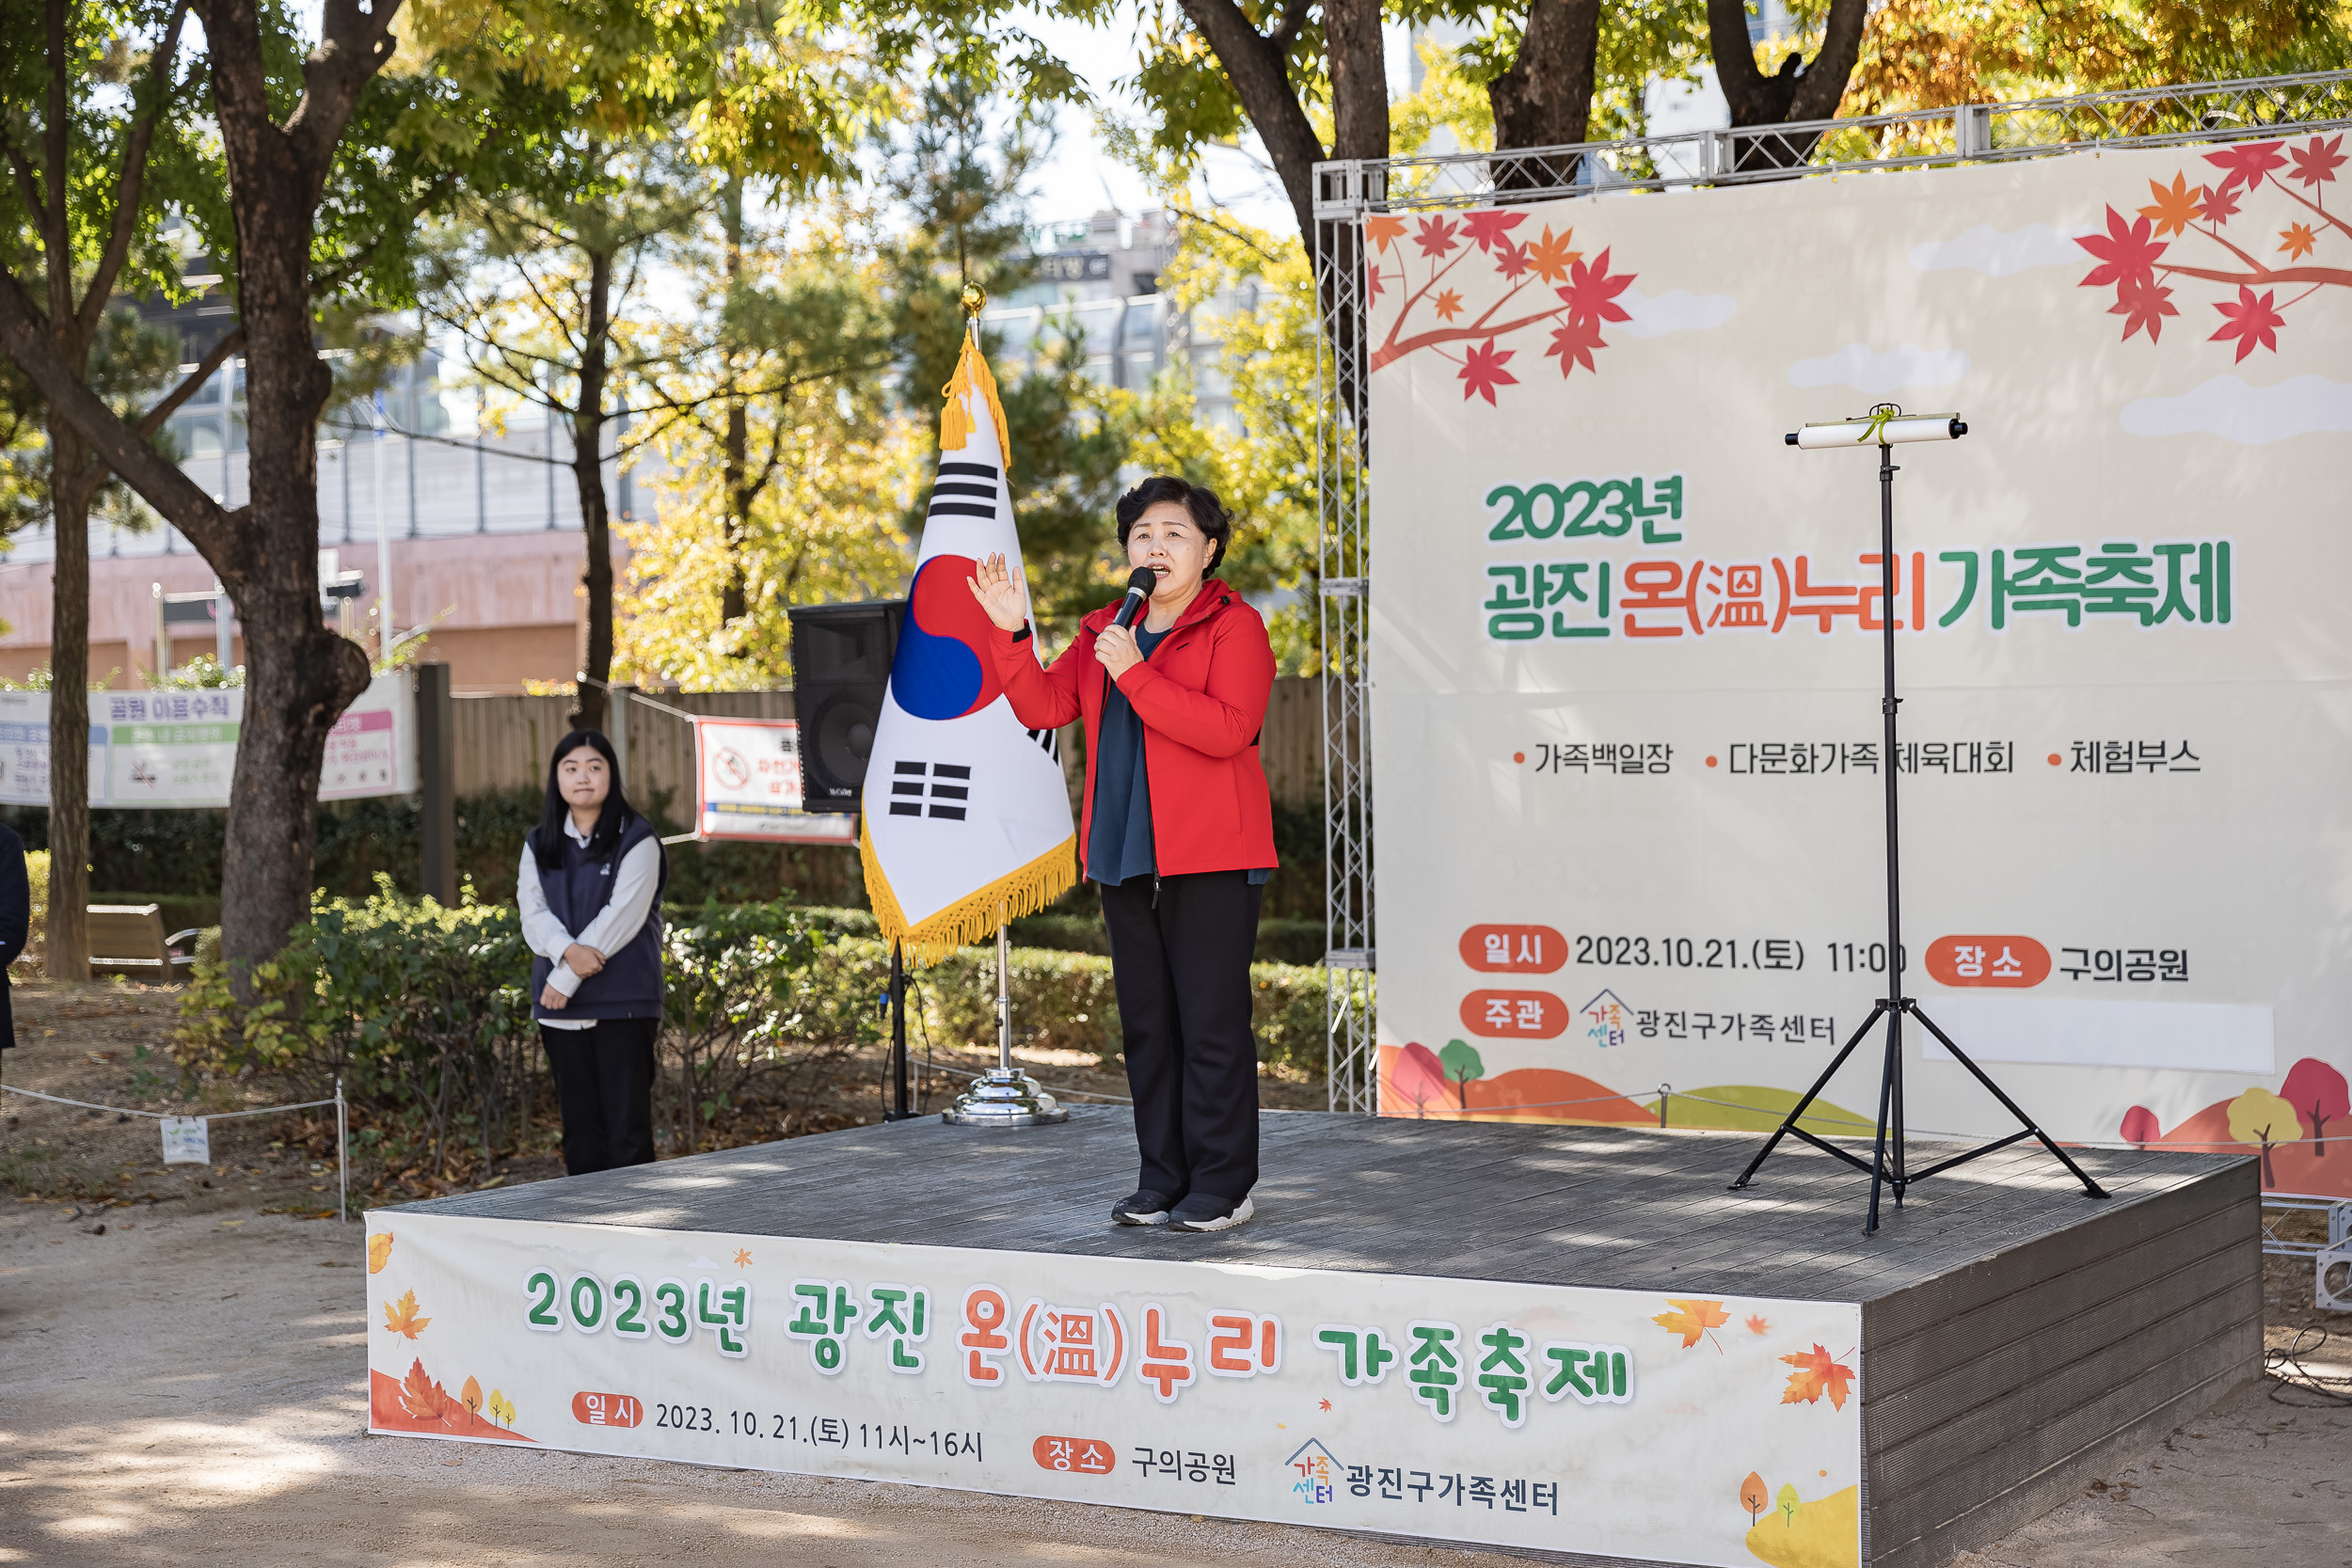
pixel 1004 1096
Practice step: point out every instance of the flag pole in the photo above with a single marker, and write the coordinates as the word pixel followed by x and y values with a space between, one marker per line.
pixel 1004 1096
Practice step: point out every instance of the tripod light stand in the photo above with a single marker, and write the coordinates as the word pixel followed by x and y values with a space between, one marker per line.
pixel 1885 427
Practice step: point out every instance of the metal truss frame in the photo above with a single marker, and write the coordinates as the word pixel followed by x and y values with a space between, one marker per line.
pixel 1347 191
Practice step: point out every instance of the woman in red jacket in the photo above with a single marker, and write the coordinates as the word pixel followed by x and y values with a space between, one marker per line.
pixel 1178 832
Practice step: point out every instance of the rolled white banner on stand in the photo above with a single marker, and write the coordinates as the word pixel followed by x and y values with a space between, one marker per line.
pixel 1873 433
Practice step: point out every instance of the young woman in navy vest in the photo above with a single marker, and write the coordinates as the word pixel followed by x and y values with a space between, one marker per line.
pixel 592 872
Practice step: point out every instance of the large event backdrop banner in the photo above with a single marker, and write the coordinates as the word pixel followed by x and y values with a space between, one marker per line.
pixel 1626 649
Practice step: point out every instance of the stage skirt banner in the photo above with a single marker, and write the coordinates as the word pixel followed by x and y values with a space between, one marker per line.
pixel 966 817
pixel 179 748
pixel 1626 650
pixel 1683 1428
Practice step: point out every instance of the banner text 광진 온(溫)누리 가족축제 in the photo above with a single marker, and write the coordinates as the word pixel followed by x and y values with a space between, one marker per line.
pixel 1572 1419
pixel 1626 650
pixel 178 748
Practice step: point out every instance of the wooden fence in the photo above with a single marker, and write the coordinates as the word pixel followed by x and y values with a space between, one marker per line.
pixel 504 740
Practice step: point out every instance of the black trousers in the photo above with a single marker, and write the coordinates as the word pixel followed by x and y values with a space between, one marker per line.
pixel 1180 962
pixel 604 1085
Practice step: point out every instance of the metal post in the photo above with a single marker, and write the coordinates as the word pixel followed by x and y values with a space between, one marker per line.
pixel 1004 990
pixel 1888 1161
pixel 436 770
pixel 1004 1096
pixel 383 547
pixel 227 374
pixel 901 1108
pixel 481 468
pixel 548 443
pixel 342 1156
pixel 224 617
pixel 410 448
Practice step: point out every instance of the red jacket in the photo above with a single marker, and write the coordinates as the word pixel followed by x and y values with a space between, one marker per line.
pixel 1202 696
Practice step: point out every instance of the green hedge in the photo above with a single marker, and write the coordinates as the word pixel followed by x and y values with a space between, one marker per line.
pixel 1279 941
pixel 420 1009
pixel 1061 1001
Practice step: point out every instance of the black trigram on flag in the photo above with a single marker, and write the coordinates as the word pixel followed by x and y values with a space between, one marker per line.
pixel 944 786
pixel 1049 739
pixel 965 490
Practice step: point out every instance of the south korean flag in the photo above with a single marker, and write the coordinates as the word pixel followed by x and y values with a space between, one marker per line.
pixel 965 810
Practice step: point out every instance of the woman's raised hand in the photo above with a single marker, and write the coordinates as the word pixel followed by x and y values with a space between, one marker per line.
pixel 1001 593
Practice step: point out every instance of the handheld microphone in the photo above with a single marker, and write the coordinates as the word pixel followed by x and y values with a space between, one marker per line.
pixel 1140 582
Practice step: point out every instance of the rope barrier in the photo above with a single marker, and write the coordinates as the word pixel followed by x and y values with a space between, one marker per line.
pixel 343 1127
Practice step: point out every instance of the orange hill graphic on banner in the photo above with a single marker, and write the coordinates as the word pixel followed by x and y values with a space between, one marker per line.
pixel 1414 1084
pixel 2303 1133
pixel 416 1403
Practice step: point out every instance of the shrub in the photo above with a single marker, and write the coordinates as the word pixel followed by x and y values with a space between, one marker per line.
pixel 421 1009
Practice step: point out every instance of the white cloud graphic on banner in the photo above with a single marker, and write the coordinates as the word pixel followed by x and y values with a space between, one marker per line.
pixel 2250 416
pixel 1865 369
pixel 1989 251
pixel 1676 310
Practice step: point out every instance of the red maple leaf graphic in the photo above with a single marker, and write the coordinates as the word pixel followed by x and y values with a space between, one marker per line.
pixel 2248 165
pixel 2221 205
pixel 2317 162
pixel 2126 250
pixel 1436 237
pixel 1482 371
pixel 1574 341
pixel 1591 293
pixel 1818 1372
pixel 1511 261
pixel 1487 229
pixel 1372 278
pixel 2250 321
pixel 2143 303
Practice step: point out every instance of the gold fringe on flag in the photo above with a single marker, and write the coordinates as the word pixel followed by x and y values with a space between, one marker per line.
pixel 974 915
pixel 972 379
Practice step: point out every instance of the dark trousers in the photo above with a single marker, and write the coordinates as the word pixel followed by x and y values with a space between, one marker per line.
pixel 604 1084
pixel 1180 960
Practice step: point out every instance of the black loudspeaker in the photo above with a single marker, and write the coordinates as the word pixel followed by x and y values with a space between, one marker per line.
pixel 840 665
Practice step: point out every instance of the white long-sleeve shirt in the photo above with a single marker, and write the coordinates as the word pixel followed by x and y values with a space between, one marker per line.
pixel 634 883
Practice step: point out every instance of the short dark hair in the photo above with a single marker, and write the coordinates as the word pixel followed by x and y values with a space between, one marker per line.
pixel 1208 514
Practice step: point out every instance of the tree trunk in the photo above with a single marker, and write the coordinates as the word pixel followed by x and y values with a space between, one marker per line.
pixel 1359 78
pixel 588 474
pixel 1546 98
pixel 735 597
pixel 1800 90
pixel 66 951
pixel 299 676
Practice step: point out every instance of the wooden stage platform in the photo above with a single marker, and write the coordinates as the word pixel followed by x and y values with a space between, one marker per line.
pixel 2014 1336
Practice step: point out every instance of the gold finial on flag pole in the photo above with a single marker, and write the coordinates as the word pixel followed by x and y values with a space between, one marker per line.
pixel 975 300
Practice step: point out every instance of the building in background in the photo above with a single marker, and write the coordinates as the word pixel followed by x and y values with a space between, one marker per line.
pixel 1100 281
pixel 482 531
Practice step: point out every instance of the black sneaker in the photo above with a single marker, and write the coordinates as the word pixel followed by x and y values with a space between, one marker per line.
pixel 1144 1207
pixel 1202 1211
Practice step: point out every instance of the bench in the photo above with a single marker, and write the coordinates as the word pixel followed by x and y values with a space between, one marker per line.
pixel 131 937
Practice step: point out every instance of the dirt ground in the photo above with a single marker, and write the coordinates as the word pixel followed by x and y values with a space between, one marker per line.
pixel 182 1381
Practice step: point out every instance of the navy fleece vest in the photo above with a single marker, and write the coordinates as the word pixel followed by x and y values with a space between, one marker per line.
pixel 630 984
